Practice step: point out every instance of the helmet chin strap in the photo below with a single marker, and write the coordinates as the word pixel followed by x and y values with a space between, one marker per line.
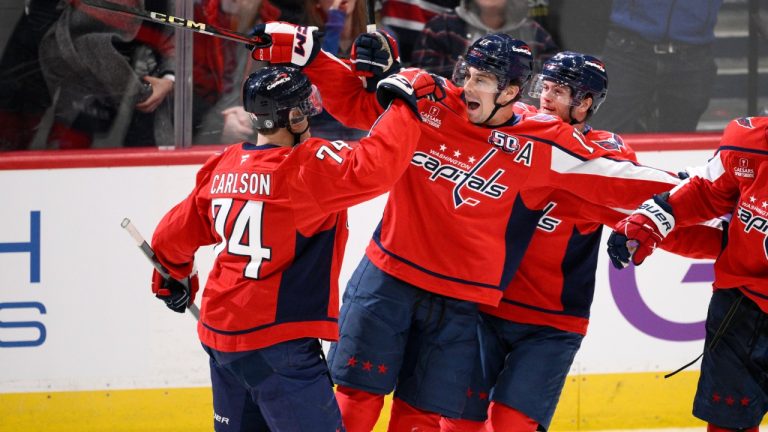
pixel 496 107
pixel 297 135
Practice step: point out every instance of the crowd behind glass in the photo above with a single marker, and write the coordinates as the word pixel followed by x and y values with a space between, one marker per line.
pixel 73 76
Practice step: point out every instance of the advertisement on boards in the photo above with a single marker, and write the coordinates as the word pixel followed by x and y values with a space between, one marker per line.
pixel 76 312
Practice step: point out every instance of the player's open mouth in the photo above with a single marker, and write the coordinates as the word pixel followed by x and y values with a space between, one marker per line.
pixel 473 105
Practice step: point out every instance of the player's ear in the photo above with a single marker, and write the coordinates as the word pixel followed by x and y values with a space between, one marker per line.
pixel 508 94
pixel 582 108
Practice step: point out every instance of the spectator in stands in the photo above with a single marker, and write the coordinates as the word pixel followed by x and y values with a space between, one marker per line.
pixel 660 56
pixel 342 21
pixel 214 66
pixel 406 19
pixel 114 75
pixel 447 36
pixel 290 10
pixel 24 97
pixel 220 69
pixel 579 26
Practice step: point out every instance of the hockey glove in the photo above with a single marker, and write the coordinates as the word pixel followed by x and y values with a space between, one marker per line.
pixel 293 44
pixel 177 295
pixel 410 86
pixel 636 237
pixel 374 57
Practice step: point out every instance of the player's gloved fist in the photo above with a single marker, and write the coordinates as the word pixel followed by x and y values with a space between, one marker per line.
pixel 291 43
pixel 427 85
pixel 636 237
pixel 410 86
pixel 176 294
pixel 375 56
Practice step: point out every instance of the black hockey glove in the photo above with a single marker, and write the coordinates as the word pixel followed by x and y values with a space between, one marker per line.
pixel 176 294
pixel 375 56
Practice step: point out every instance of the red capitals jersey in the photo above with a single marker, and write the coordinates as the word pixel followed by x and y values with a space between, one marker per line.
pixel 566 245
pixel 277 216
pixel 735 182
pixel 457 222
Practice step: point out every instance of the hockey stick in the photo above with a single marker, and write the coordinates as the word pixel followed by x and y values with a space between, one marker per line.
pixel 149 253
pixel 261 41
pixel 371 27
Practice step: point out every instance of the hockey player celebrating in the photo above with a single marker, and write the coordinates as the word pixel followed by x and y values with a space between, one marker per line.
pixel 456 224
pixel 544 314
pixel 732 393
pixel 276 211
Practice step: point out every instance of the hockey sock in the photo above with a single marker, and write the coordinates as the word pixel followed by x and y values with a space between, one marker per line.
pixel 461 425
pixel 359 409
pixel 713 428
pixel 407 418
pixel 503 418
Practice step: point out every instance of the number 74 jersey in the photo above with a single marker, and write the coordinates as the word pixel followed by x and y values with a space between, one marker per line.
pixel 277 217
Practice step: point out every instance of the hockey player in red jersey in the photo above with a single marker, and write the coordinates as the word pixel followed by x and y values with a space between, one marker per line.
pixel 732 393
pixel 456 224
pixel 276 212
pixel 545 309
pixel 545 314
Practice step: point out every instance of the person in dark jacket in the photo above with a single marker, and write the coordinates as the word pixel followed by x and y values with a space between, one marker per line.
pixel 660 56
pixel 447 36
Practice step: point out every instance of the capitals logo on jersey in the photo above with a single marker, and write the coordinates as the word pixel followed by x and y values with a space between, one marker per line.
pixel 612 143
pixel 745 122
pixel 755 217
pixel 544 118
pixel 464 176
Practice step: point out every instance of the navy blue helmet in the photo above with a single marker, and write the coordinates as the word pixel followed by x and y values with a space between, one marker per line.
pixel 509 59
pixel 584 74
pixel 272 93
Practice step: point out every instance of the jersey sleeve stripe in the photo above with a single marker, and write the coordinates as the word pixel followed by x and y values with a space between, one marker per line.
pixel 743 150
pixel 712 171
pixel 565 162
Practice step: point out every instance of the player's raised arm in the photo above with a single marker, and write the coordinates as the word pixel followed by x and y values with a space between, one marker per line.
pixel 343 90
pixel 338 174
pixel 585 169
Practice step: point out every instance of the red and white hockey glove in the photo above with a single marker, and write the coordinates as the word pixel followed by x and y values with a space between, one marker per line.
pixel 176 294
pixel 410 85
pixel 291 43
pixel 636 237
pixel 375 56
